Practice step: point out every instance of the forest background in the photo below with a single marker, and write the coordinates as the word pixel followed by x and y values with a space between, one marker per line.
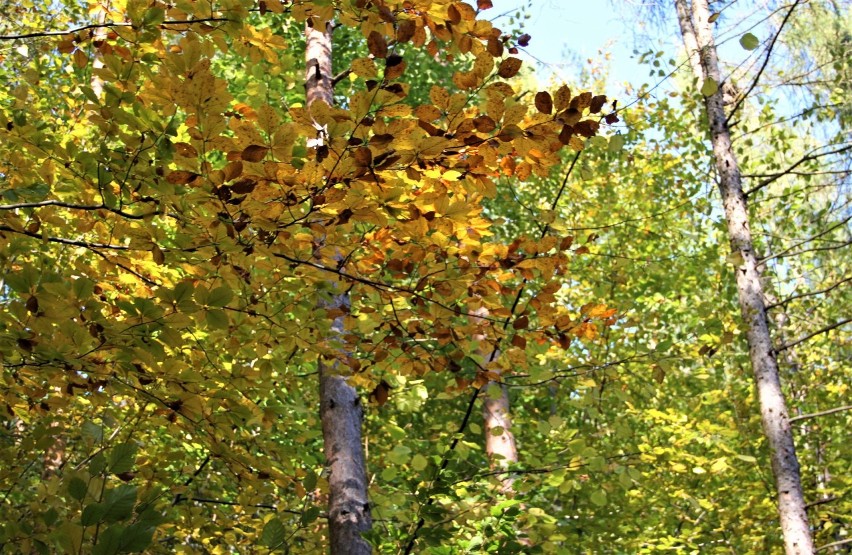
pixel 531 288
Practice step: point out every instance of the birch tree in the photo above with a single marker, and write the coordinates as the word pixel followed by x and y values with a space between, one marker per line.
pixel 696 30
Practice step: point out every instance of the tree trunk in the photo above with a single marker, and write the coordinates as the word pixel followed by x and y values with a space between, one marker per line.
pixel 340 406
pixel 499 440
pixel 698 39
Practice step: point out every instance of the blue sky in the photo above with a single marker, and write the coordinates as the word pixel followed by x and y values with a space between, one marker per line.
pixel 567 32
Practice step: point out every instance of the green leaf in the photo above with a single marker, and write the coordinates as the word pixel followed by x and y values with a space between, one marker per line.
pixel 749 41
pixel 274 534
pixel 77 488
pixel 399 454
pixel 136 537
pixel 122 458
pixel 220 297
pixel 109 541
pixel 92 514
pixel 419 462
pixel 709 87
pixel 119 503
pixel 599 498
pixel 92 431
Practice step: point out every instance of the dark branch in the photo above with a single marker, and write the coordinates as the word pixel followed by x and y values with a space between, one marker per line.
pixel 61 204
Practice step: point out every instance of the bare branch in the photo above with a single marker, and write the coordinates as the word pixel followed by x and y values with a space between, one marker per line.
pixel 814 334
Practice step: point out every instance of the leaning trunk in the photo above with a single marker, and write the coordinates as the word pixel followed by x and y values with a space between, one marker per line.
pixel 698 38
pixel 340 406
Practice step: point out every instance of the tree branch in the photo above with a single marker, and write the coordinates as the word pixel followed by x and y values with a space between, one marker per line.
pixel 93 26
pixel 810 335
pixel 775 177
pixel 820 413
pixel 762 67
pixel 61 204
pixel 808 294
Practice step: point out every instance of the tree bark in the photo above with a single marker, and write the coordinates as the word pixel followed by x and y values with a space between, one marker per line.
pixel 698 39
pixel 340 406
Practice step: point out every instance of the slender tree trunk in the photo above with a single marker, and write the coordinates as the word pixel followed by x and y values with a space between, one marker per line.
pixel 340 406
pixel 499 440
pixel 698 39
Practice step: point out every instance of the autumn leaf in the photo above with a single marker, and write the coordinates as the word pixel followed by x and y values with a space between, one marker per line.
pixel 509 68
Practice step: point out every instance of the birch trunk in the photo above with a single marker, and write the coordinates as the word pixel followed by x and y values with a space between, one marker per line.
pixel 340 406
pixel 701 49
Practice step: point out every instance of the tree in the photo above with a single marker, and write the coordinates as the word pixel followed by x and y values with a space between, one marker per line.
pixel 165 252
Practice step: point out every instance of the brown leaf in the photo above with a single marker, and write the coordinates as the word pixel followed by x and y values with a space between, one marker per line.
pixel 377 44
pixel 587 128
pixel 186 150
pixel 509 68
pixel 181 177
pixel 597 103
pixel 381 393
pixel 157 255
pixel 484 124
pixel 405 31
pixel 611 118
pixel 232 170
pixel 453 15
pixel 543 102
pixel 364 156
pixel 524 40
pixel 32 305
pixel 563 98
pixel 519 341
pixel 521 323
pixel 565 134
pixel 244 186
pixel 254 153
pixel 484 4
pixel 494 47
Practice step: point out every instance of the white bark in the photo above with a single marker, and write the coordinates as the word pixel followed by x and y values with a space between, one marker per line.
pixel 340 406
pixel 698 39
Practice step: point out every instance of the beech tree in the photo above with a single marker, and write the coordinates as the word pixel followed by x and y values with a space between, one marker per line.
pixel 177 261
